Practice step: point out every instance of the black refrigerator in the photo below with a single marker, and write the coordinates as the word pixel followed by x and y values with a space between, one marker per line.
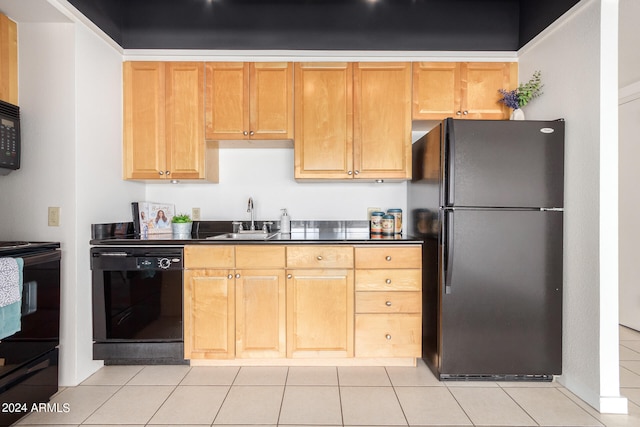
pixel 487 198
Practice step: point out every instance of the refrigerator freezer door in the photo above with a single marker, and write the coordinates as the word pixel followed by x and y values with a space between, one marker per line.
pixel 502 312
pixel 492 163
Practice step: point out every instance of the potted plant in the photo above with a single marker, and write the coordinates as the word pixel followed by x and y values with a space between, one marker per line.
pixel 518 98
pixel 181 224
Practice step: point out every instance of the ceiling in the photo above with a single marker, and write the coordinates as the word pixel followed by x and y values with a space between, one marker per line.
pixel 407 25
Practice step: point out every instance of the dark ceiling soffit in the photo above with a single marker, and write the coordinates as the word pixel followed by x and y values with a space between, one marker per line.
pixel 401 25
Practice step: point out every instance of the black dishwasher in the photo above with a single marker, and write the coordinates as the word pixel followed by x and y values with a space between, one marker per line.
pixel 137 305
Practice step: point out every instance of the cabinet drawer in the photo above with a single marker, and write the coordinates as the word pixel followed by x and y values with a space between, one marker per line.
pixel 389 280
pixel 388 302
pixel 209 256
pixel 389 257
pixel 319 256
pixel 388 335
pixel 260 256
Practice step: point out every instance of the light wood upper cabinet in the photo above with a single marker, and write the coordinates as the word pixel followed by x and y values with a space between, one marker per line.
pixel 323 143
pixel 466 90
pixel 382 120
pixel 8 60
pixel 163 122
pixel 249 101
pixel 353 121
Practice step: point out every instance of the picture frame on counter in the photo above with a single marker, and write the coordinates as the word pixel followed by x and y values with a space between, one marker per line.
pixel 150 218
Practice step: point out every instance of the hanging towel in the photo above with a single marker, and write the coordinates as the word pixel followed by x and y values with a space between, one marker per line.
pixel 10 296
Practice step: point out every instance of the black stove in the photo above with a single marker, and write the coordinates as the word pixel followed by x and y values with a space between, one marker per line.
pixel 20 247
pixel 29 356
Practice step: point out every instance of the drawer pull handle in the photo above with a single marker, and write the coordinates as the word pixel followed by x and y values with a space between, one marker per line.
pixel 388 303
pixel 289 276
pixel 319 258
pixel 388 258
pixel 230 276
pixel 388 337
pixel 388 281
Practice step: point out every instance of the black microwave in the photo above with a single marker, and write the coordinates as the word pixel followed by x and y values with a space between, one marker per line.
pixel 9 137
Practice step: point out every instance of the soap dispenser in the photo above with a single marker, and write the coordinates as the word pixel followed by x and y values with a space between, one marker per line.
pixel 285 222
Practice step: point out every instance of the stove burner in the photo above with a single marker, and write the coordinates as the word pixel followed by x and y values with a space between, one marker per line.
pixel 14 245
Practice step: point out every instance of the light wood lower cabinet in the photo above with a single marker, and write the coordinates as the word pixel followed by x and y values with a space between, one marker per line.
pixel 302 301
pixel 319 313
pixel 388 305
pixel 209 314
pixel 260 313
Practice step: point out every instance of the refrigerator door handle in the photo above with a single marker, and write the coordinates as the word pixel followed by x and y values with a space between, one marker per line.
pixel 449 163
pixel 447 245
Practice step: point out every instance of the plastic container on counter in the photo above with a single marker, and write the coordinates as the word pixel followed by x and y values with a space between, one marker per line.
pixel 388 225
pixel 397 214
pixel 375 223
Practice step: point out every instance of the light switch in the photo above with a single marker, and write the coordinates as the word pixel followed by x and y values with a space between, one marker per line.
pixel 54 216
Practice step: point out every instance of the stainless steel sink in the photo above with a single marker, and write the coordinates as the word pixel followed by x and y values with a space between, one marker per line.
pixel 251 235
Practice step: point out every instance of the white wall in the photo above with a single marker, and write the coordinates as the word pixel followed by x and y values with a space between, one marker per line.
pixel 70 100
pixel 266 174
pixel 629 112
pixel 47 175
pixel 101 194
pixel 578 59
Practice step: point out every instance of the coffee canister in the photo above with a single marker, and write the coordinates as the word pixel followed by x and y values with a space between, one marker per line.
pixel 375 223
pixel 397 214
pixel 388 225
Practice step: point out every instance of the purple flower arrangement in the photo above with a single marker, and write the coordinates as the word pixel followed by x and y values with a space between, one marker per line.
pixel 510 98
pixel 525 92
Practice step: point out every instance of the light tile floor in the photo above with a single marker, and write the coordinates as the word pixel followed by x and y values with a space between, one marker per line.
pixel 327 396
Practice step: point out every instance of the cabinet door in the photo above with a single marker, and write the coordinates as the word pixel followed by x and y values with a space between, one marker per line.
pixel 8 60
pixel 480 84
pixel 144 132
pixel 382 120
pixel 209 313
pixel 260 313
pixel 436 90
pixel 184 120
pixel 227 100
pixel 271 100
pixel 323 143
pixel 320 317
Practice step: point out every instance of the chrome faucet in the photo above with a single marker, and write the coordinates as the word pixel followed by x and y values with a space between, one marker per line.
pixel 250 210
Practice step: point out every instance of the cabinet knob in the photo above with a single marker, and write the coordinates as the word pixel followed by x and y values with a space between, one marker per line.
pixel 388 337
pixel 465 112
pixel 245 133
pixel 167 173
pixel 289 276
pixel 357 172
pixel 388 281
pixel 350 173
pixel 319 257
pixel 388 303
pixel 252 133
pixel 230 276
pixel 388 258
pixel 458 113
pixel 237 275
pixel 160 172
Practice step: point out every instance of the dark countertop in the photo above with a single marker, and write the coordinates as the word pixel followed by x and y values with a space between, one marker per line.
pixel 316 232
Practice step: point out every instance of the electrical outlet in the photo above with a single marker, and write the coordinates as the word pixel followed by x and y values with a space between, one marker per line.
pixel 54 216
pixel 195 214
